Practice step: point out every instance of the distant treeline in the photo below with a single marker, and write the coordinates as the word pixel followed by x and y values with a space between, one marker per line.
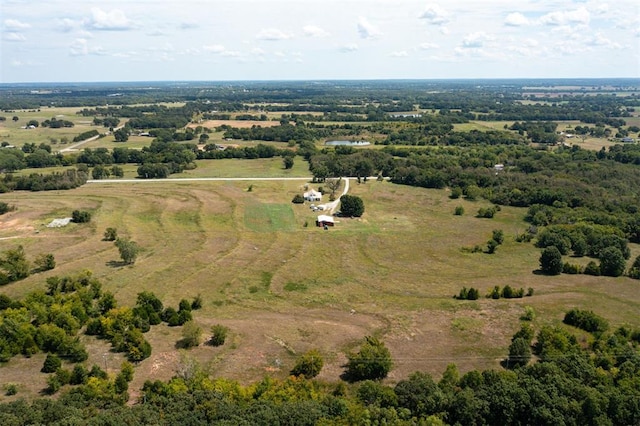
pixel 67 179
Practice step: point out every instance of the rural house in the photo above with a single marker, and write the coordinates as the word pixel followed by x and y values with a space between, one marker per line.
pixel 312 195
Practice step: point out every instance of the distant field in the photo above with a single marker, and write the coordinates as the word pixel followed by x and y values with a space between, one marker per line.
pixel 212 124
pixel 278 284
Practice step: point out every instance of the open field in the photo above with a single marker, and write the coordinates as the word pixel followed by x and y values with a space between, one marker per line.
pixel 283 288
pixel 241 124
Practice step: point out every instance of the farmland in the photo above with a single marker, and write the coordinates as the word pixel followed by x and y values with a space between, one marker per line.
pixel 283 286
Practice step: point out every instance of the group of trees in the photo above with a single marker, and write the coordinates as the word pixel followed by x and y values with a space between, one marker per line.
pixel 568 384
pixel 14 265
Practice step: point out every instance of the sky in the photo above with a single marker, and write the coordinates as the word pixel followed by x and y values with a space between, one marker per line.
pixel 222 40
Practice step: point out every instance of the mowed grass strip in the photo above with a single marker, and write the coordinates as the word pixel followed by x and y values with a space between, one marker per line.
pixel 265 217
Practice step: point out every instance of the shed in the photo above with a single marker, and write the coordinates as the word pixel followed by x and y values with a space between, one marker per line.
pixel 324 220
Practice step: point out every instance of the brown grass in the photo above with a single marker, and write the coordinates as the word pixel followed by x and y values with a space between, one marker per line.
pixel 284 290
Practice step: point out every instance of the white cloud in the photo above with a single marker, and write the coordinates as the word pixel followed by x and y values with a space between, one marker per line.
pixel 66 25
pixel 516 19
pixel 231 53
pixel 214 48
pixel 435 15
pixel 367 30
pixel 273 34
pixel 599 40
pixel 427 46
pixel 257 51
pixel 566 17
pixel 475 40
pixel 115 20
pixel 399 54
pixel 80 47
pixel 314 31
pixel 188 25
pixel 351 47
pixel 15 25
pixel 12 36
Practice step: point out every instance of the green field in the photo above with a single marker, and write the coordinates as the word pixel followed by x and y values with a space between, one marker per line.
pixel 271 279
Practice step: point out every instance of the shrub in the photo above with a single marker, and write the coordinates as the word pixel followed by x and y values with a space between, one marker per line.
pixel 110 234
pixel 487 213
pixel 218 335
pixel 592 268
pixel 492 246
pixel 459 211
pixel 308 365
pixel 191 335
pixel 498 236
pixel 10 389
pixel 586 320
pixel 456 192
pixel 51 364
pixel 468 294
pixel 298 199
pixel 80 216
pixel 529 314
pixel 196 303
pixel 45 262
pixel 572 269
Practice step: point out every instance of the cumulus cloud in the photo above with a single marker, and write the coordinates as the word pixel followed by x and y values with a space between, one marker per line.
pixel 475 40
pixel 427 46
pixel 314 31
pixel 80 47
pixel 598 39
pixel 114 20
pixel 351 47
pixel 367 30
pixel 273 34
pixel 435 15
pixel 15 37
pixel 400 54
pixel 516 19
pixel 566 17
pixel 15 25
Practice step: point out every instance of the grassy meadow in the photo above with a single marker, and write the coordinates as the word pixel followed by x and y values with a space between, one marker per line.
pixel 284 286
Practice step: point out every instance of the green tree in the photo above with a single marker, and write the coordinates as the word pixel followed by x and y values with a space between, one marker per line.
pixel 551 260
pixel 351 205
pixel 121 135
pixel 519 353
pixel 612 262
pixel 15 264
pixel 372 362
pixel 287 161
pixel 308 365
pixel 459 211
pixel 128 250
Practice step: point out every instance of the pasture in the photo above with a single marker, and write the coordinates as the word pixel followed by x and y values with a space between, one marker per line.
pixel 283 288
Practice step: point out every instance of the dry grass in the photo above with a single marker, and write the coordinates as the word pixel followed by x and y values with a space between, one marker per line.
pixel 283 288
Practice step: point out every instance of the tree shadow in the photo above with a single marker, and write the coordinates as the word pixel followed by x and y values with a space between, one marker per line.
pixel 116 264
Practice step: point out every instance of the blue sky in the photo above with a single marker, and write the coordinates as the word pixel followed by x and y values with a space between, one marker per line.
pixel 152 40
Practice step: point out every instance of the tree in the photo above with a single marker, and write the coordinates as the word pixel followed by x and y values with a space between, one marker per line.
pixel 308 365
pixel 551 260
pixel 15 265
pixel 15 118
pixel 128 250
pixel 121 135
pixel 371 362
pixel 298 199
pixel 218 335
pixel 191 335
pixel 519 353
pixel 287 161
pixel 612 263
pixel 351 205
pixel 110 234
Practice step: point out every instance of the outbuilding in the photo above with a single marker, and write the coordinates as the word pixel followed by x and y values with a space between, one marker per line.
pixel 324 220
